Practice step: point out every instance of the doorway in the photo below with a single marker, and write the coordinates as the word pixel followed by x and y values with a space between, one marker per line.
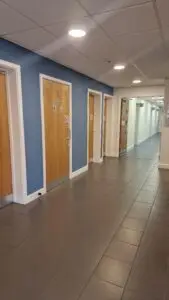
pixel 137 121
pixel 12 91
pixel 94 127
pixel 109 141
pixel 6 196
pixel 123 125
pixel 57 131
pixel 105 123
pixel 91 126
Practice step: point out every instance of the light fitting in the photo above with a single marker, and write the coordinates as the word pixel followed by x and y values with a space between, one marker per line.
pixel 137 81
pixel 119 67
pixel 77 33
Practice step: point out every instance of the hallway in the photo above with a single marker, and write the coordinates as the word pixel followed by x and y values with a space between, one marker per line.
pixel 103 236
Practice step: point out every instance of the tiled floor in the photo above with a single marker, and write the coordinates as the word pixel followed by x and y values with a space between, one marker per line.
pixel 103 236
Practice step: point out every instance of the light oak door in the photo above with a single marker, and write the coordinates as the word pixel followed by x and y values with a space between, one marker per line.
pixel 57 131
pixel 124 125
pixel 5 155
pixel 91 126
pixel 105 125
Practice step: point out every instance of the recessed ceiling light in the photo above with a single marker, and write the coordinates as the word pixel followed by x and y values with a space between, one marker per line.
pixel 119 67
pixel 77 33
pixel 137 81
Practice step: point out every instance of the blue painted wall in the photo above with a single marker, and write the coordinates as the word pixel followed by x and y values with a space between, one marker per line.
pixel 31 65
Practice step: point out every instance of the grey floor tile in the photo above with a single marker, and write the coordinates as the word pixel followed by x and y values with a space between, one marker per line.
pixel 113 271
pixel 146 196
pixel 129 236
pixel 140 211
pixel 134 224
pixel 101 290
pixel 50 248
pixel 135 295
pixel 121 251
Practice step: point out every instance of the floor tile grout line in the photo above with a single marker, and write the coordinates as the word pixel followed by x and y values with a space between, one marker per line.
pixel 146 226
pixel 128 243
pixel 134 200
pixel 110 282
pixel 123 261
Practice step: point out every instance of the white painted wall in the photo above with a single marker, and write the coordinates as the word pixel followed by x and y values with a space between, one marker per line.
pixel 164 147
pixel 109 126
pixel 113 125
pixel 143 124
pixel 161 120
pixel 131 124
pixel 97 128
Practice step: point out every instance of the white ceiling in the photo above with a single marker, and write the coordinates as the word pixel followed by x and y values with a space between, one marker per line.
pixel 134 32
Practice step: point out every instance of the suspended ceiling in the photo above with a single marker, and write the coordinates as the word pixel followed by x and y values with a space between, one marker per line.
pixel 134 32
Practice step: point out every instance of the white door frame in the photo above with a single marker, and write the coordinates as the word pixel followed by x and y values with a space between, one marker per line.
pixel 112 143
pixel 43 76
pixel 16 130
pixel 104 99
pixel 100 98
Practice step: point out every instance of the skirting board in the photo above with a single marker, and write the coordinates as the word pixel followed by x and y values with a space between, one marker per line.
pixel 130 147
pixel 79 171
pixel 163 166
pixel 114 154
pixel 34 196
pixel 99 160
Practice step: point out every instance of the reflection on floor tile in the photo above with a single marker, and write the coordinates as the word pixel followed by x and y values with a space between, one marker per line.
pixel 134 224
pixel 140 210
pixel 129 236
pixel 145 196
pixel 101 290
pixel 113 271
pixel 121 251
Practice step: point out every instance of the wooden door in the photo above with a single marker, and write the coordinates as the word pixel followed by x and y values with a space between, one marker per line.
pixel 57 131
pixel 91 126
pixel 105 125
pixel 5 155
pixel 124 125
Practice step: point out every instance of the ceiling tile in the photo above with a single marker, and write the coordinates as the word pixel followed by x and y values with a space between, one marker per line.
pixel 32 39
pixel 149 82
pixel 123 78
pixel 98 6
pixel 130 20
pixel 69 56
pixel 97 46
pixel 136 45
pixel 155 63
pixel 163 8
pixel 48 11
pixel 11 21
pixel 166 33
